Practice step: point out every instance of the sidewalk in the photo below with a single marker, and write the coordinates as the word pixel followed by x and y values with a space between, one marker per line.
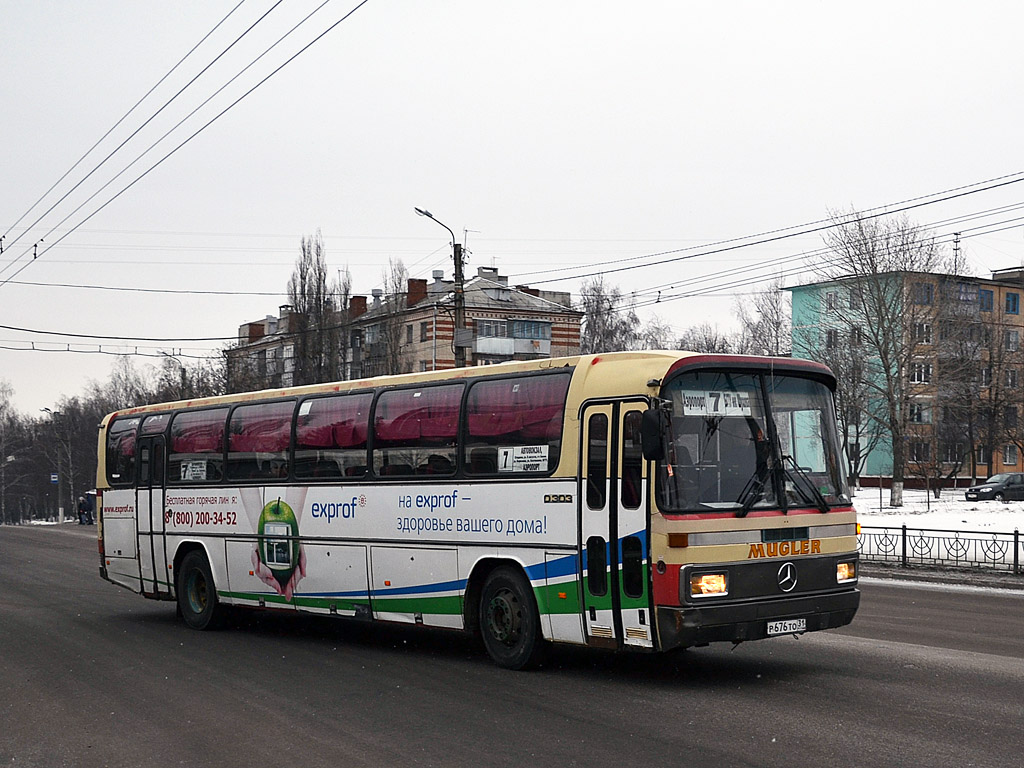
pixel 967 576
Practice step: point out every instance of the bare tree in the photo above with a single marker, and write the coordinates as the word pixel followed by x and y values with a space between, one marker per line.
pixel 15 463
pixel 884 266
pixel 609 323
pixel 654 334
pixel 706 337
pixel 341 290
pixel 858 411
pixel 386 345
pixel 314 324
pixel 765 321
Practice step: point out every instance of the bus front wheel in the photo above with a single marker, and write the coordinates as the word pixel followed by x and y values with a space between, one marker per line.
pixel 509 621
pixel 197 595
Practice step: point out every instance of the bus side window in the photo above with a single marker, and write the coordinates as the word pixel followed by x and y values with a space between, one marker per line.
pixel 520 415
pixel 597 566
pixel 331 436
pixel 258 439
pixel 597 461
pixel 415 431
pixel 121 445
pixel 632 460
pixel 197 446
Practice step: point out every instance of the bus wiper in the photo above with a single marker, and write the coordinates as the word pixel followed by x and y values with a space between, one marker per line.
pixel 819 500
pixel 750 494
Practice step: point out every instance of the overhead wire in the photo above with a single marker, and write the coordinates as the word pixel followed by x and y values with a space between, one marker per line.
pixel 182 121
pixel 765 240
pixel 136 132
pixel 191 137
pixel 118 123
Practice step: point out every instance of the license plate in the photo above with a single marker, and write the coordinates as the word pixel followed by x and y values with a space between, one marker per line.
pixel 787 627
pixel 971 496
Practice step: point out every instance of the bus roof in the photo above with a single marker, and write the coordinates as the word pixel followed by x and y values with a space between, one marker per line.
pixel 632 371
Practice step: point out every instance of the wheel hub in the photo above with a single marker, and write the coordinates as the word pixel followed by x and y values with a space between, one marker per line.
pixel 504 617
pixel 197 593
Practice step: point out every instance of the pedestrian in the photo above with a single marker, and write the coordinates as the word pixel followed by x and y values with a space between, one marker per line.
pixel 84 510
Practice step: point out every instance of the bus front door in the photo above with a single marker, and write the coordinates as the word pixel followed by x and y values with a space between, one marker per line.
pixel 613 526
pixel 150 510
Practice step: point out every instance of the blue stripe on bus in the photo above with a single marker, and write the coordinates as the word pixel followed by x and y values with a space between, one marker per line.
pixel 559 567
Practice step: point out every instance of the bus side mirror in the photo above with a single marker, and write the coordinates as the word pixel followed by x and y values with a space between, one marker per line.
pixel 652 434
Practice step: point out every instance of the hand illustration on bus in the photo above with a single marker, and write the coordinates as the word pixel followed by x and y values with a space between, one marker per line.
pixel 278 557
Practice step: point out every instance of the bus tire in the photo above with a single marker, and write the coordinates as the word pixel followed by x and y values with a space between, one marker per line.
pixel 509 621
pixel 197 594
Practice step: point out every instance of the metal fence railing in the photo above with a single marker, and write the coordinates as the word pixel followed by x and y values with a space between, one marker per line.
pixel 931 546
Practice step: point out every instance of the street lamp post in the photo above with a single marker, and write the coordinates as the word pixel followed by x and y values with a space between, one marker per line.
pixel 54 415
pixel 460 298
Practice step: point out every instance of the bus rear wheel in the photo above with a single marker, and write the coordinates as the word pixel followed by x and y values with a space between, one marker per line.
pixel 509 621
pixel 197 595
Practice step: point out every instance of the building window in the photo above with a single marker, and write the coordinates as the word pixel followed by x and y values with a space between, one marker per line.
pixel 856 337
pixel 491 328
pixel 1013 303
pixel 831 338
pixel 920 451
pixel 923 293
pixel 1010 417
pixel 921 373
pixel 920 414
pixel 531 329
pixel 1010 455
pixel 954 453
pixel 1011 378
pixel 408 334
pixel 856 297
pixel 984 300
pixel 980 455
pixel 965 292
pixel 923 333
pixel 986 377
pixel 424 335
pixel 1012 340
pixel 831 300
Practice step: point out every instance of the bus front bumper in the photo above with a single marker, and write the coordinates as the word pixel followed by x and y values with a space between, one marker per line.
pixel 688 626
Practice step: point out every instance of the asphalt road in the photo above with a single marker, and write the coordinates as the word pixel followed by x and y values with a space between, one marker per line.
pixel 92 675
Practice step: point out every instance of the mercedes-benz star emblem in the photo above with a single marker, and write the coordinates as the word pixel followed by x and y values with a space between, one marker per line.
pixel 787 577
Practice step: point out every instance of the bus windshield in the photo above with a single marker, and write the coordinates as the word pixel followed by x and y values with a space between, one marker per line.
pixel 737 442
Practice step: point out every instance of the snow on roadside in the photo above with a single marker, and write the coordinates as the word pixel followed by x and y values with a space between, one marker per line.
pixel 950 512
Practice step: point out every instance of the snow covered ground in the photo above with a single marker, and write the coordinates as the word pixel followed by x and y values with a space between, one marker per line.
pixel 951 512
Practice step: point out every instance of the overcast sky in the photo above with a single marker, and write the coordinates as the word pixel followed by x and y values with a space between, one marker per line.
pixel 550 135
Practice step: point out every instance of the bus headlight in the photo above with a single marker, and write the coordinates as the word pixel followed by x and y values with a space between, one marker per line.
pixel 708 584
pixel 846 571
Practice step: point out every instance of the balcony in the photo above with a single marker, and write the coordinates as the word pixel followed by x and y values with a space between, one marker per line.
pixel 497 346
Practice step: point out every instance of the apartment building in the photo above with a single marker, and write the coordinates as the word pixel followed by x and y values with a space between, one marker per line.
pixel 415 330
pixel 960 369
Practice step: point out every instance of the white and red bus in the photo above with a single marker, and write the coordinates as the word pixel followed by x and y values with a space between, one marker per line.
pixel 636 500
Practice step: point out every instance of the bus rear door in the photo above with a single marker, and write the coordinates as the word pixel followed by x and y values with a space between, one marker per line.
pixel 150 523
pixel 613 526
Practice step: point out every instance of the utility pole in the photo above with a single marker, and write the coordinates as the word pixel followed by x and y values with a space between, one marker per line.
pixel 460 297
pixel 460 306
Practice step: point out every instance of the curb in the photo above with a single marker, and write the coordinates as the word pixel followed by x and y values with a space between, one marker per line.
pixel 939 575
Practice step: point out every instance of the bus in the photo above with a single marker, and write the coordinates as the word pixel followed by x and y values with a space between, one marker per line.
pixel 643 501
